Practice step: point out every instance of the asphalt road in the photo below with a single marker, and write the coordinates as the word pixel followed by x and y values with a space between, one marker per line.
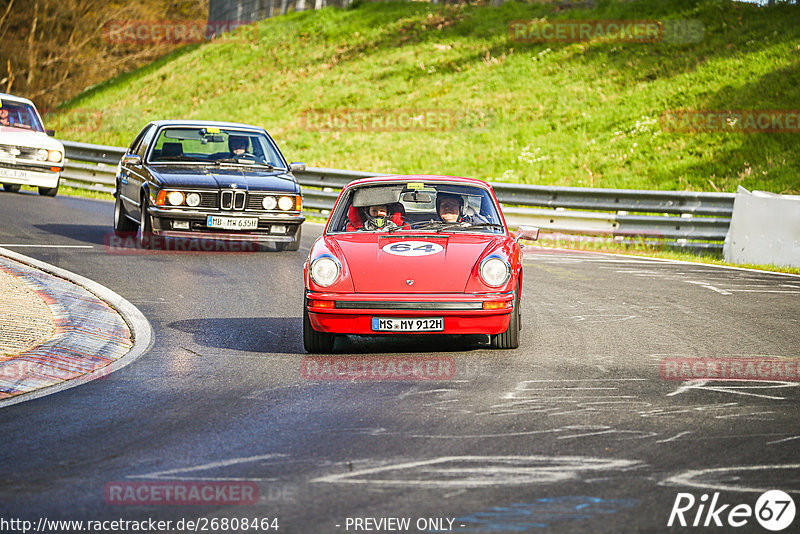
pixel 576 431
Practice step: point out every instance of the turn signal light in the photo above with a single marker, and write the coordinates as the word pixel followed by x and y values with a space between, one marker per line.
pixel 494 305
pixel 321 304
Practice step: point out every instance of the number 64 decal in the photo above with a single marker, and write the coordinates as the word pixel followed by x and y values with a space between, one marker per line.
pixel 412 248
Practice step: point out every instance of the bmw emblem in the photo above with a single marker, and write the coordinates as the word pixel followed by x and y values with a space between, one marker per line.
pixel 234 186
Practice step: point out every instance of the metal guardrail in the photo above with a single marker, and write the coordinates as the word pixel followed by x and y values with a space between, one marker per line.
pixel 682 219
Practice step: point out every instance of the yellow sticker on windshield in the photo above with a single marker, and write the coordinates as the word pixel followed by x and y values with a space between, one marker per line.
pixel 415 185
pixel 212 130
pixel 1 103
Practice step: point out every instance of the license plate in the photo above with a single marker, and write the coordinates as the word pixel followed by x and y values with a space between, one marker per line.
pixel 407 324
pixel 15 174
pixel 232 223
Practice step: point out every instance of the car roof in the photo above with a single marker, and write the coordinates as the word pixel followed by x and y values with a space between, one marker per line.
pixel 419 178
pixel 6 96
pixel 218 124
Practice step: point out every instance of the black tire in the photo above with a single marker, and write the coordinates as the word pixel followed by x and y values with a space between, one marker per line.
pixel 313 341
pixel 145 232
pixel 11 188
pixel 290 245
pixel 122 224
pixel 49 191
pixel 510 338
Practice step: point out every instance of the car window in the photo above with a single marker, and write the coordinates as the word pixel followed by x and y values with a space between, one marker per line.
pixel 146 139
pixel 418 205
pixel 213 144
pixel 19 115
pixel 133 149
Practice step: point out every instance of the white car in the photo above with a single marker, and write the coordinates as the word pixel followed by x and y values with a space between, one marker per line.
pixel 28 153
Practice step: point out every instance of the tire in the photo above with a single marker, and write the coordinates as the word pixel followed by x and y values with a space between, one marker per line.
pixel 122 224
pixel 313 341
pixel 145 233
pixel 11 188
pixel 291 245
pixel 510 338
pixel 49 191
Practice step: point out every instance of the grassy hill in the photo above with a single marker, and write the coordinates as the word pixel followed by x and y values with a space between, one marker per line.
pixel 578 114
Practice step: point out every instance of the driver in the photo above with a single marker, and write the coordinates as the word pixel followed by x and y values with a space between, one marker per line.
pixel 4 120
pixel 237 144
pixel 449 207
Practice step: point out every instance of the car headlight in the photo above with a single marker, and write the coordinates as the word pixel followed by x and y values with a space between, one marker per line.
pixel 269 203
pixel 41 154
pixel 495 272
pixel 286 203
pixel 193 200
pixel 324 271
pixel 175 198
pixel 54 156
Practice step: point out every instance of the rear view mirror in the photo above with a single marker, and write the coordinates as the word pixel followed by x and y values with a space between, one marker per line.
pixel 416 196
pixel 296 166
pixel 529 233
pixel 51 133
pixel 131 159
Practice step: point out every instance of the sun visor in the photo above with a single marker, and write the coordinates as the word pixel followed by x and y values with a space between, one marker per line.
pixel 371 196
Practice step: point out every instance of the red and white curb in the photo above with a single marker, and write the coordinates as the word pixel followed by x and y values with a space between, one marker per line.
pixel 97 333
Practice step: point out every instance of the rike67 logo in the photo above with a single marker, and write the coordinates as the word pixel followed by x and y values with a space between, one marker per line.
pixel 774 511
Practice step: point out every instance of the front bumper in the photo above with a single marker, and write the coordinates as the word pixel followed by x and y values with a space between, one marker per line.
pixel 268 231
pixel 462 313
pixel 32 175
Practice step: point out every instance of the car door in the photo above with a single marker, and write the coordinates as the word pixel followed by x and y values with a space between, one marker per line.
pixel 137 172
pixel 124 176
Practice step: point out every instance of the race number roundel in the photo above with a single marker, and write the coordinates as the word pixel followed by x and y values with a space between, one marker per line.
pixel 412 248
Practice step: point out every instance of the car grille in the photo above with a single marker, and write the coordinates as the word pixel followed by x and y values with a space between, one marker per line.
pixel 13 151
pixel 254 201
pixel 208 201
pixel 232 200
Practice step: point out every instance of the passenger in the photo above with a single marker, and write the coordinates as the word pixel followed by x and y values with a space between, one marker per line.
pixel 375 217
pixel 4 120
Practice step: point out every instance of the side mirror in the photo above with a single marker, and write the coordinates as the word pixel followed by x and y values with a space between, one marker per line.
pixel 529 233
pixel 51 133
pixel 296 166
pixel 131 159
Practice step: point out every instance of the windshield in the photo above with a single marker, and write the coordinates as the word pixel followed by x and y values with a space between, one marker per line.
pixel 214 145
pixel 19 115
pixel 417 206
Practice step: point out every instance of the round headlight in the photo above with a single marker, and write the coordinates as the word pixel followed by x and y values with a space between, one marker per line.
pixel 269 203
pixel 41 154
pixel 324 271
pixel 54 156
pixel 286 203
pixel 495 272
pixel 175 198
pixel 193 199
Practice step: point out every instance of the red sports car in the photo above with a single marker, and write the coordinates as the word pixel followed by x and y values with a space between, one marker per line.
pixel 413 255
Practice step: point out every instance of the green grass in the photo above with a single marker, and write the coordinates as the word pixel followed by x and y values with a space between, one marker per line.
pixel 574 114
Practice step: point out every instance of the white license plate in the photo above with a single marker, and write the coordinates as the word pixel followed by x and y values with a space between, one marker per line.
pixel 232 223
pixel 407 324
pixel 15 174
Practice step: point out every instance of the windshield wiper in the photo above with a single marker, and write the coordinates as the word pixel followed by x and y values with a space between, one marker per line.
pixel 469 226
pixel 235 160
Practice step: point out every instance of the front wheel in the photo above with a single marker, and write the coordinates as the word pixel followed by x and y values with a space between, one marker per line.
pixel 49 191
pixel 11 188
pixel 145 233
pixel 510 338
pixel 314 341
pixel 122 224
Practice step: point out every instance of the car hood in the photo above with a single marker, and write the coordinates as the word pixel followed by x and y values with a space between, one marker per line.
pixel 225 177
pixel 433 263
pixel 28 138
